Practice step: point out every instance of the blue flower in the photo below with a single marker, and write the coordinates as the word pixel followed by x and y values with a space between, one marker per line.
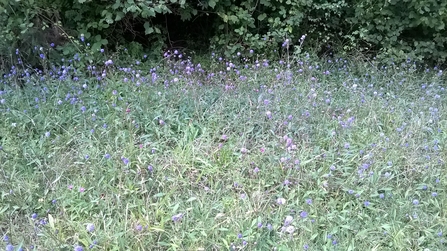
pixel 90 227
pixel 177 217
pixel 9 247
pixel 78 248
pixel 303 214
pixel 125 160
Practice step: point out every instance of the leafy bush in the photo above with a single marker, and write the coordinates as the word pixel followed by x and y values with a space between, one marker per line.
pixel 401 29
pixel 390 29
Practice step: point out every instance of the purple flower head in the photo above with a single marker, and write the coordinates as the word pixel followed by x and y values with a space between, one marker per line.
pixel 309 201
pixel 9 247
pixel 290 229
pixel 415 202
pixel 125 160
pixel 78 248
pixel 303 214
pixel 281 201
pixel 90 227
pixel 288 220
pixel 108 62
pixel 177 217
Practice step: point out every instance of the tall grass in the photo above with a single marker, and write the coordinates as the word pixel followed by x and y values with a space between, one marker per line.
pixel 317 156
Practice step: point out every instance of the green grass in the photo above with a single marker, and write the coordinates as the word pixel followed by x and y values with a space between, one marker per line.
pixel 221 163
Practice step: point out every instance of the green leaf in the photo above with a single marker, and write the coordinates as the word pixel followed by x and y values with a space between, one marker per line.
pixel 51 221
pixel 119 16
pixel 212 3
pixel 96 46
pixel 116 5
pixel 148 29
pixel 262 16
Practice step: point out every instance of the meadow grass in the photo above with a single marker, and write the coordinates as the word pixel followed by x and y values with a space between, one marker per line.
pixel 318 156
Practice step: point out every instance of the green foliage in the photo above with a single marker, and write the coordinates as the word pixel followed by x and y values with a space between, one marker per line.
pixel 281 158
pixel 401 29
pixel 389 29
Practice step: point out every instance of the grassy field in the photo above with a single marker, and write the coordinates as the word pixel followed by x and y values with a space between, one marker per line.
pixel 318 156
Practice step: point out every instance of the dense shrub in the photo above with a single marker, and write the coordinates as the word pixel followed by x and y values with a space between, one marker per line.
pixel 389 29
pixel 400 29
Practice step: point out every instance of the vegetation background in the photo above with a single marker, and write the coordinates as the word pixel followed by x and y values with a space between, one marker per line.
pixel 223 125
pixel 392 30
